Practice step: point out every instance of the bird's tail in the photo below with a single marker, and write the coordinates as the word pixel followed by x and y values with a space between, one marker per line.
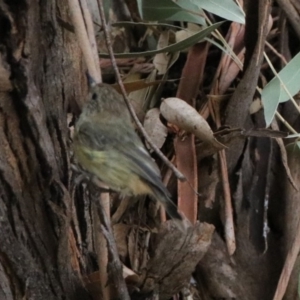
pixel 163 196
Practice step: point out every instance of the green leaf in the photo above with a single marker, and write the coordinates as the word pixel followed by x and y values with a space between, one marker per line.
pixel 188 5
pixel 146 24
pixel 192 8
pixel 188 42
pixel 290 76
pixel 274 92
pixel 156 10
pixel 184 16
pixel 270 103
pixel 226 9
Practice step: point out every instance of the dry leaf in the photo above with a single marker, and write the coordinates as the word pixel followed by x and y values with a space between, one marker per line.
pixel 181 114
pixel 121 233
pixel 155 128
pixel 161 60
pixel 183 34
pixel 255 106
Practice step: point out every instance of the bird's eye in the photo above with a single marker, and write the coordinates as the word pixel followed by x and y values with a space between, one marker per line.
pixel 94 96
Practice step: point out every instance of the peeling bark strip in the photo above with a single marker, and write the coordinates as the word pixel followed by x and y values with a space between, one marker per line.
pixel 192 76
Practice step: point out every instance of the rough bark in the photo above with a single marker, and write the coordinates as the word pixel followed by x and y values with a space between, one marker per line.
pixel 44 76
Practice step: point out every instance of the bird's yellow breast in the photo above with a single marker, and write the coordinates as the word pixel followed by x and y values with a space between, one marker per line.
pixel 112 170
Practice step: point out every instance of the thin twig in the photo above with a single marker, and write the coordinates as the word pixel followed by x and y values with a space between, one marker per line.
pixel 276 52
pixel 214 109
pixel 91 35
pixel 116 268
pixel 101 248
pixel 178 174
pixel 166 179
pixel 229 224
pixel 220 37
pixel 285 123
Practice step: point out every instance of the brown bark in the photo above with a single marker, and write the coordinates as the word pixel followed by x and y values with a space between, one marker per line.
pixel 38 258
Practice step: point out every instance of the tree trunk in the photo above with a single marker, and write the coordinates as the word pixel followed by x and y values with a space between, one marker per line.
pixel 41 77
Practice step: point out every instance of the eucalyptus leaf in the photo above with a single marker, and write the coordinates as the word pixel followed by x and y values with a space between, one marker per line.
pixel 290 77
pixel 146 24
pixel 192 8
pixel 188 42
pixel 270 103
pixel 184 16
pixel 226 9
pixel 274 92
pixel 188 5
pixel 156 10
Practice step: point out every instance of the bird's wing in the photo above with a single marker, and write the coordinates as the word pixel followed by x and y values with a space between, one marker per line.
pixel 105 137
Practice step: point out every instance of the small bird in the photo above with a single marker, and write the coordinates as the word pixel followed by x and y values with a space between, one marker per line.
pixel 106 146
